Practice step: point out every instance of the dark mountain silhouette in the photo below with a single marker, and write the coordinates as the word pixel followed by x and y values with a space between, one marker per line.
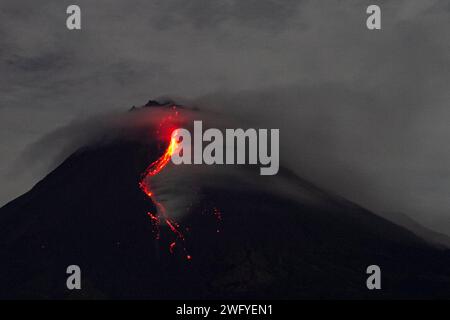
pixel 159 103
pixel 90 212
pixel 404 220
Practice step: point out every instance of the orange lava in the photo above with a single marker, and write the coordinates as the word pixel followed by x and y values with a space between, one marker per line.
pixel 166 127
pixel 153 169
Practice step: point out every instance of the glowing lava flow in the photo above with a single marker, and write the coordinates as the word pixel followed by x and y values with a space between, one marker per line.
pixel 153 169
pixel 167 126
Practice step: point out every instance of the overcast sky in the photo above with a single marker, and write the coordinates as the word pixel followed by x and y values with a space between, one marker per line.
pixel 362 113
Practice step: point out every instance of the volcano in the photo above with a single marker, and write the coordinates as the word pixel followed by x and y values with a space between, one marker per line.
pixel 245 241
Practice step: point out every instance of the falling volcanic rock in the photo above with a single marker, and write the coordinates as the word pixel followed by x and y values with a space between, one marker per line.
pixel 91 212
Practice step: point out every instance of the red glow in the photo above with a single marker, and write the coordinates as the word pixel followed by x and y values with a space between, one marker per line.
pixel 172 246
pixel 164 131
pixel 155 167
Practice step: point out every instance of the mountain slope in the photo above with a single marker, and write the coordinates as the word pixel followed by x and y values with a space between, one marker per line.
pixel 90 212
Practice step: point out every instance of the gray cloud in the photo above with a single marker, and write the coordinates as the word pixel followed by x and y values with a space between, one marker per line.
pixel 364 114
pixel 264 14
